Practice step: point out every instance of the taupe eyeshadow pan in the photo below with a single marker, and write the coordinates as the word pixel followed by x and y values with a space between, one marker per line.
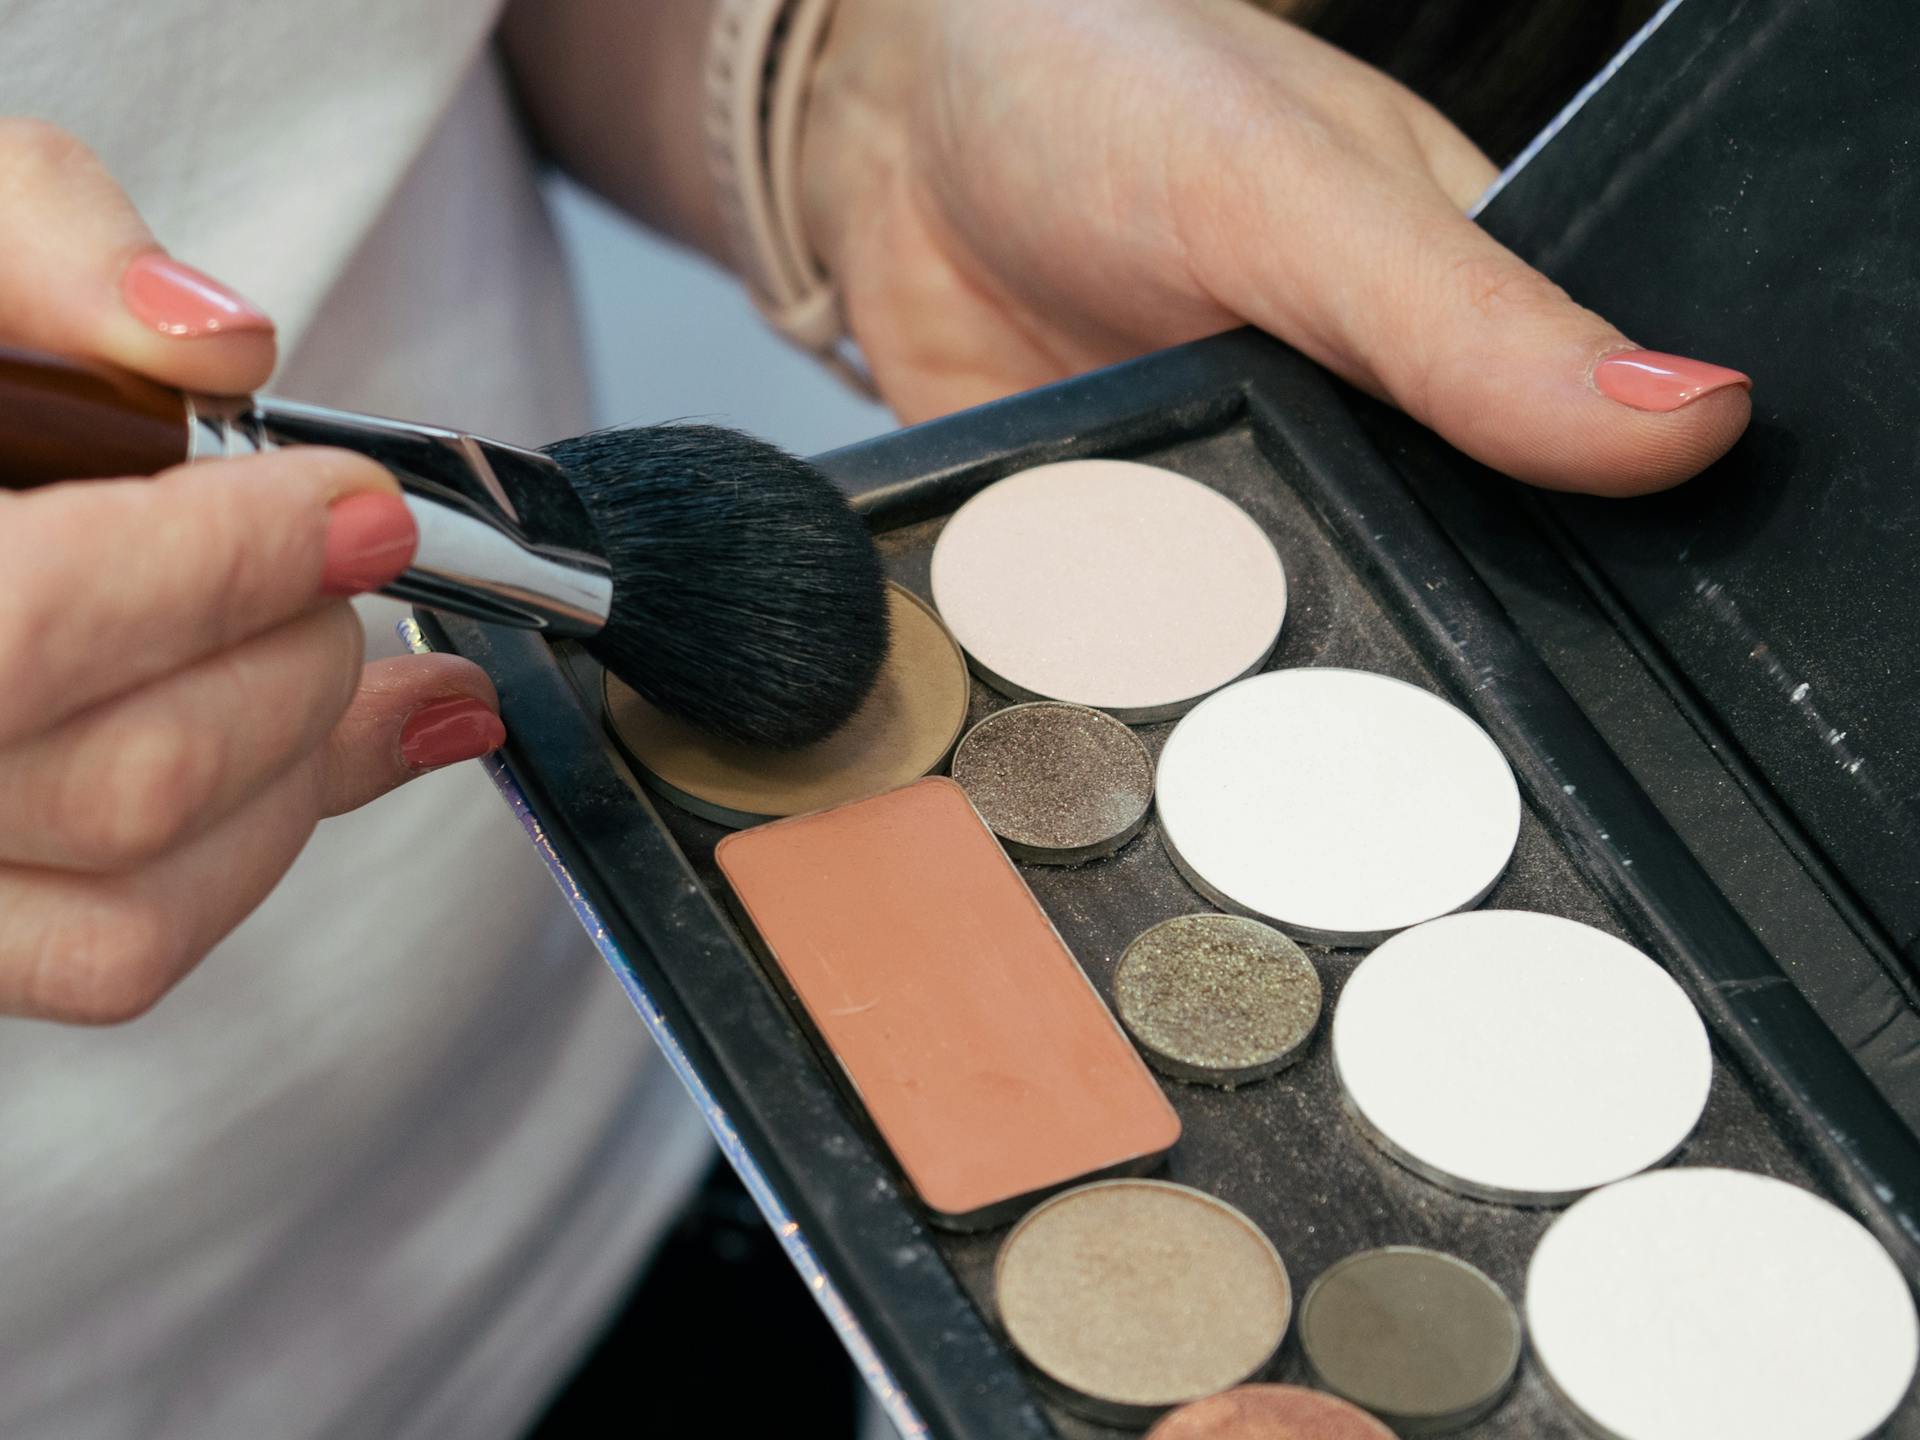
pixel 1059 784
pixel 1420 1338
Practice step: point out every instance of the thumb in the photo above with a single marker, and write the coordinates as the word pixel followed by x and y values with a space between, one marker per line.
pixel 412 714
pixel 85 278
pixel 1470 340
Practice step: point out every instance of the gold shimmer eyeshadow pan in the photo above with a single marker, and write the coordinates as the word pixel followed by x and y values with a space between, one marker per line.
pixel 905 729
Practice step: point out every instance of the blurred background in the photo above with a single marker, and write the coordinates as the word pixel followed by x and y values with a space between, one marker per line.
pixel 670 337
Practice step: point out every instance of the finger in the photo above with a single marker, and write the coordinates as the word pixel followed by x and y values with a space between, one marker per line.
pixel 111 584
pixel 1378 275
pixel 412 714
pixel 85 277
pixel 100 949
pixel 137 776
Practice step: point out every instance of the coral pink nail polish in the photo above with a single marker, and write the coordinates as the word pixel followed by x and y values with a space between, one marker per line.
pixel 1650 380
pixel 447 731
pixel 178 300
pixel 370 540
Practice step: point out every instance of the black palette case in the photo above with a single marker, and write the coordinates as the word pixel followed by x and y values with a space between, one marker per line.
pixel 1710 699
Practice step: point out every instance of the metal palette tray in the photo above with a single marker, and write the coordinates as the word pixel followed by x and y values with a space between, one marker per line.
pixel 1374 585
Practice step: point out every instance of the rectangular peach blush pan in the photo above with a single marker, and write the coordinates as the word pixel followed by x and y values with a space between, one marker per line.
pixel 961 1022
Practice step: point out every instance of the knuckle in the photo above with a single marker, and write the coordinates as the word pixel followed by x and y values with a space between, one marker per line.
pixel 32 148
pixel 1493 284
pixel 108 964
pixel 21 639
pixel 144 794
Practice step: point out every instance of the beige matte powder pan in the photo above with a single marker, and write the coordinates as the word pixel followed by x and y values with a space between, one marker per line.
pixel 1339 805
pixel 1110 584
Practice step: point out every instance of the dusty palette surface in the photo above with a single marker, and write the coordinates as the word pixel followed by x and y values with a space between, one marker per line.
pixel 1284 1150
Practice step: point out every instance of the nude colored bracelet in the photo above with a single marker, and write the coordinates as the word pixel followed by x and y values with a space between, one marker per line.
pixel 759 62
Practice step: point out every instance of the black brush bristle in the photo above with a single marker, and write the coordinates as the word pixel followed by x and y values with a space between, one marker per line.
pixel 748 597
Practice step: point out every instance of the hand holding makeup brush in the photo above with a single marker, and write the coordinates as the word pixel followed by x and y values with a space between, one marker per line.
pixel 182 695
pixel 1011 191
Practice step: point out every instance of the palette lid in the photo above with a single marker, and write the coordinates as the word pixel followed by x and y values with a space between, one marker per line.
pixel 1744 190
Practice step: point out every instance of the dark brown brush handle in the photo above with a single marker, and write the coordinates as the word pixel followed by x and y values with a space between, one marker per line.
pixel 69 420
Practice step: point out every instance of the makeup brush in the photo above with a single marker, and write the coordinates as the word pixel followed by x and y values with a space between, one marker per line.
pixel 724 579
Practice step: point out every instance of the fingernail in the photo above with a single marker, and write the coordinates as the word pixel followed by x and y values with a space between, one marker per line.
pixel 178 300
pixel 448 731
pixel 1649 380
pixel 370 540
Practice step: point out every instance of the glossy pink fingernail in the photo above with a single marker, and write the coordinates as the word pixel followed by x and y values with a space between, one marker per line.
pixel 370 540
pixel 178 300
pixel 448 731
pixel 1650 380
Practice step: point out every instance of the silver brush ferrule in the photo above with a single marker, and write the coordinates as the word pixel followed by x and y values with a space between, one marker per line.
pixel 503 537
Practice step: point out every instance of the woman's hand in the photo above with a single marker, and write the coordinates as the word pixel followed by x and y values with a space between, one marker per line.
pixel 1010 191
pixel 181 690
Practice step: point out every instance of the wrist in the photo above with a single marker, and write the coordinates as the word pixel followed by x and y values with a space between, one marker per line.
pixel 854 135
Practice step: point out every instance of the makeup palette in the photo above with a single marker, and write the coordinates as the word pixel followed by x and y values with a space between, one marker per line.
pixel 1555 769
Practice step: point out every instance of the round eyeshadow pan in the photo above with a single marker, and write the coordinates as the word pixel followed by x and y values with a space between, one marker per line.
pixel 1128 1297
pixel 1111 584
pixel 1339 805
pixel 1059 784
pixel 1270 1412
pixel 1519 1057
pixel 1707 1302
pixel 1422 1339
pixel 1217 999
pixel 903 731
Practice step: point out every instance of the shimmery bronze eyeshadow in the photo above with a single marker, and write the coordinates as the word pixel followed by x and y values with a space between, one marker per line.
pixel 905 730
pixel 1217 999
pixel 1059 784
pixel 1422 1339
pixel 959 1019
pixel 1131 1296
pixel 1270 1412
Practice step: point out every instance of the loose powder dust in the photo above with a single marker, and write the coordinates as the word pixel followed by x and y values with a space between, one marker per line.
pixel 1058 783
pixel 1217 998
pixel 1135 1295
